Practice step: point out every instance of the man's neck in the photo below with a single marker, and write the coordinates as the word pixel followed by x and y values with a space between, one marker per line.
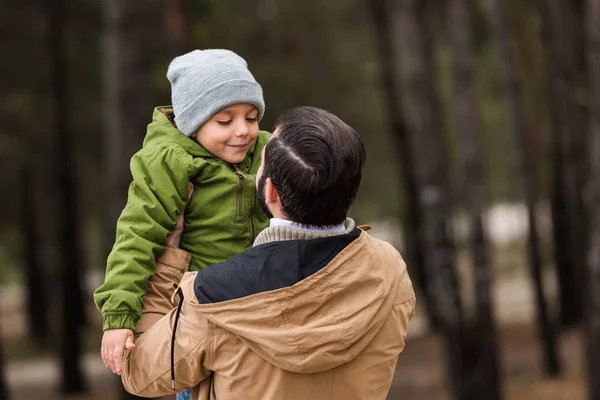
pixel 316 229
pixel 288 230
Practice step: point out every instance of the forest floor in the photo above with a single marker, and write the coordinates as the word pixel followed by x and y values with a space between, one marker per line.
pixel 420 371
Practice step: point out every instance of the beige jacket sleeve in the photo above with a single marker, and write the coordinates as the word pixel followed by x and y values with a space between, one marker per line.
pixel 147 368
pixel 158 300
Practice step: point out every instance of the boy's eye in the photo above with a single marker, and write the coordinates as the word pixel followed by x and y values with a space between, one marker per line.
pixel 252 119
pixel 224 122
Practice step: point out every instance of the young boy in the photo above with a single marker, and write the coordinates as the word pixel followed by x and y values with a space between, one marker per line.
pixel 209 137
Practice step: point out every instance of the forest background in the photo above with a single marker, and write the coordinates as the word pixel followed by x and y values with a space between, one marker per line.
pixel 481 119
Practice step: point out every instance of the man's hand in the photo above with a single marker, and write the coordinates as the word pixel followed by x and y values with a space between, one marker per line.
pixel 174 239
pixel 113 343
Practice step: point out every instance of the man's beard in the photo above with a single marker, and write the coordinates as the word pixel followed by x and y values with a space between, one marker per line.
pixel 260 195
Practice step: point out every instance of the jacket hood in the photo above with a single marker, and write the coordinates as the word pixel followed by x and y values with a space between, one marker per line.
pixel 321 322
pixel 162 130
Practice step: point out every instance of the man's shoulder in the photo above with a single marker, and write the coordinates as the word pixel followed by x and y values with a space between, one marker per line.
pixel 392 260
pixel 267 267
pixel 379 246
pixel 237 277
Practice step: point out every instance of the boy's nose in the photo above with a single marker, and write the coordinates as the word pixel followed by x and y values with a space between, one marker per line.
pixel 242 129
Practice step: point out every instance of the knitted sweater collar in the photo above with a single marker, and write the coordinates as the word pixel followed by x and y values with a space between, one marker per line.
pixel 279 233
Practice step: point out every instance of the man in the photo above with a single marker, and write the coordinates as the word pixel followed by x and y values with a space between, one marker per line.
pixel 317 309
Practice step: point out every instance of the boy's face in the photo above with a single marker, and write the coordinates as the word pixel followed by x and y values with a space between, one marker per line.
pixel 230 133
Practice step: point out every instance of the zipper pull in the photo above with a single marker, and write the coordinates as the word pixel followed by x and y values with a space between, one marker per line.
pixel 239 172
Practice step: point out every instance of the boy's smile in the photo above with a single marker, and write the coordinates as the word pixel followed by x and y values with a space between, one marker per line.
pixel 243 146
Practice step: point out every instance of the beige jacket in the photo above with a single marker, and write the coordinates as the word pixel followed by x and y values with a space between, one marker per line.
pixel 337 334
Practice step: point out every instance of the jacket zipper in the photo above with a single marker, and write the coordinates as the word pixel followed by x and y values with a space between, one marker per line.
pixel 252 229
pixel 177 314
pixel 240 192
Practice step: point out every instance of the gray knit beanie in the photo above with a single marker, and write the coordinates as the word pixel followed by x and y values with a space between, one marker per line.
pixel 206 81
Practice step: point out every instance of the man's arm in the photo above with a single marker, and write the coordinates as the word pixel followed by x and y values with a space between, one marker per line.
pixel 170 269
pixel 147 369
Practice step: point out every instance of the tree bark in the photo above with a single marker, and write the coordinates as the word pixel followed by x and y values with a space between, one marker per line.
pixel 46 219
pixel 126 93
pixel 426 142
pixel 126 104
pixel 563 48
pixel 592 289
pixel 72 380
pixel 483 376
pixel 4 392
pixel 37 304
pixel 177 26
pixel 514 97
pixel 399 136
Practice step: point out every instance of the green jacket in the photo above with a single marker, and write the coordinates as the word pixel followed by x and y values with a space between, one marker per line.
pixel 221 219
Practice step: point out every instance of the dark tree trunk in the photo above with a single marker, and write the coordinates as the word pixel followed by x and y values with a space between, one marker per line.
pixel 592 292
pixel 126 98
pixel 4 393
pixel 46 219
pixel 72 380
pixel 568 294
pixel 482 372
pixel 427 144
pixel 505 49
pixel 563 43
pixel 37 304
pixel 399 136
pixel 177 26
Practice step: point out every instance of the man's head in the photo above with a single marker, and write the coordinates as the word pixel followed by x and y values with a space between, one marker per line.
pixel 311 168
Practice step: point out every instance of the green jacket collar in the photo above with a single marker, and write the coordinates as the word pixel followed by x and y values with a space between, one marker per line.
pixel 162 129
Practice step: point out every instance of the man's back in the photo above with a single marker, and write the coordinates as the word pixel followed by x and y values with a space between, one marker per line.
pixel 334 334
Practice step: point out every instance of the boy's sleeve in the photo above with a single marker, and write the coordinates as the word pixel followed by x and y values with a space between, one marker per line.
pixel 157 195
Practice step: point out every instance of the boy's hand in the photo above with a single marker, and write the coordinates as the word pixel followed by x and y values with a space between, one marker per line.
pixel 174 239
pixel 113 343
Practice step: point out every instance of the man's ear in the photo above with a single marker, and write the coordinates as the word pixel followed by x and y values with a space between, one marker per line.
pixel 271 195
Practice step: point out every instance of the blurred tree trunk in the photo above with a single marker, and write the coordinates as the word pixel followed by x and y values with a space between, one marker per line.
pixel 592 290
pixel 482 372
pixel 506 56
pixel 564 48
pixel 399 136
pixel 533 86
pixel 126 110
pixel 427 143
pixel 126 92
pixel 37 305
pixel 72 380
pixel 177 26
pixel 44 203
pixel 4 393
